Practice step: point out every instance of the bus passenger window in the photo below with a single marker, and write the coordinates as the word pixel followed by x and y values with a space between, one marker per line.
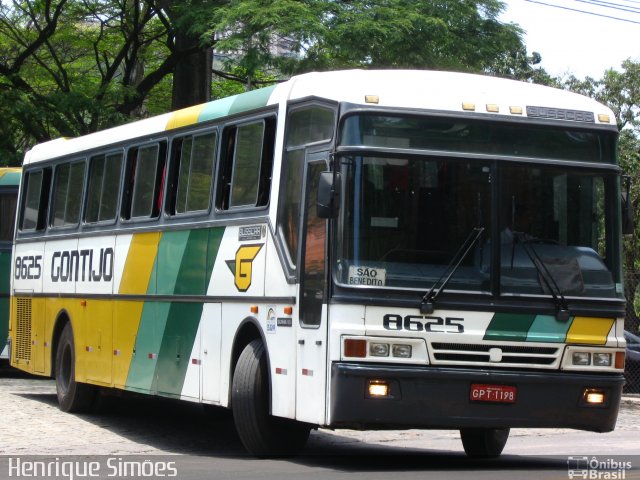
pixel 246 165
pixel 104 185
pixel 191 173
pixel 35 200
pixel 67 194
pixel 8 203
pixel 143 181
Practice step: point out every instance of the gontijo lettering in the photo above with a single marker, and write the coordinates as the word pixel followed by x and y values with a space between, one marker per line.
pixel 82 265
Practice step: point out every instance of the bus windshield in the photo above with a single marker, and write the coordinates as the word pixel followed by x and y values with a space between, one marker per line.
pixel 403 219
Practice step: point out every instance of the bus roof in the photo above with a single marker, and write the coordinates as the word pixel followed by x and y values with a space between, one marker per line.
pixel 415 89
pixel 10 176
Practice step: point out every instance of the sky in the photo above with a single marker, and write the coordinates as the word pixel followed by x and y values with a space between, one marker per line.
pixel 578 43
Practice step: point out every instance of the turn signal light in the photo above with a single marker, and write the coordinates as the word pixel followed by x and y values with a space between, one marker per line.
pixel 355 348
pixel 620 357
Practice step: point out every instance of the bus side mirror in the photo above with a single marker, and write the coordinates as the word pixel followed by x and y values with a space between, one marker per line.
pixel 627 207
pixel 328 200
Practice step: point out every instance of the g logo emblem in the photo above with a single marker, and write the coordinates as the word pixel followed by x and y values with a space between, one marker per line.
pixel 242 266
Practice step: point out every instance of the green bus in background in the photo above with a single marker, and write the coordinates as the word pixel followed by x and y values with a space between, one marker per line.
pixel 9 183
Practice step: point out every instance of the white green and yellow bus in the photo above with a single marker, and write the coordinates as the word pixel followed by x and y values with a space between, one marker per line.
pixel 9 183
pixel 353 249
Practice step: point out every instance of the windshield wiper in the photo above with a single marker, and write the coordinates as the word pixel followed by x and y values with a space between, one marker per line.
pixel 562 310
pixel 427 305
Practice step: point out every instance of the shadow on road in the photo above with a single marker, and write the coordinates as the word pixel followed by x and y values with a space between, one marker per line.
pixel 204 432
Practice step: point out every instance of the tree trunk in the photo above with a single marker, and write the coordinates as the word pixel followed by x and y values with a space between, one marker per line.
pixel 192 74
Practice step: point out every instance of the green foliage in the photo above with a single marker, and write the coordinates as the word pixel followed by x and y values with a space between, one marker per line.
pixel 70 67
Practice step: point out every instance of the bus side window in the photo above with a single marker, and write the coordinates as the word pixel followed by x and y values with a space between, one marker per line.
pixel 35 200
pixel 8 203
pixel 103 188
pixel 143 181
pixel 68 185
pixel 191 173
pixel 246 165
pixel 308 125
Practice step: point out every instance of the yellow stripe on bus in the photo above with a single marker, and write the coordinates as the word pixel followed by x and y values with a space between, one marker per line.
pixel 139 264
pixel 185 117
pixel 589 330
pixel 127 314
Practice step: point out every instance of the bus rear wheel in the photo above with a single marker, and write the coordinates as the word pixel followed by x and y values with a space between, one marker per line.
pixel 73 397
pixel 263 435
pixel 484 442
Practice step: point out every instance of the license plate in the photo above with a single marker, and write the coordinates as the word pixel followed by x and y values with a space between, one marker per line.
pixel 481 392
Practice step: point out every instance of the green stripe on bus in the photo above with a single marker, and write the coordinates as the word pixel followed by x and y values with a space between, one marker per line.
pixel 141 376
pixel 10 179
pixel 171 252
pixel 251 100
pixel 546 328
pixel 184 318
pixel 154 314
pixel 509 327
pixel 216 109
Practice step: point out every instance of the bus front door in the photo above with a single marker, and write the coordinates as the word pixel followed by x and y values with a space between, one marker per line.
pixel 312 328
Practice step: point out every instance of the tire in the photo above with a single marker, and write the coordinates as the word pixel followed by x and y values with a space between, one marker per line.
pixel 484 442
pixel 261 434
pixel 73 397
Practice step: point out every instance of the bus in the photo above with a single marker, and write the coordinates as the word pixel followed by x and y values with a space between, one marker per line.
pixel 9 183
pixel 349 249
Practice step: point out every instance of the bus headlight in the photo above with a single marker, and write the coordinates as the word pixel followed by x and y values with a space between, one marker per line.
pixel 402 351
pixel 581 358
pixel 379 349
pixel 602 359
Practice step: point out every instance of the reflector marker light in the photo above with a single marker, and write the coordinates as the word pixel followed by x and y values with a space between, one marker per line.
pixel 281 371
pixel 254 309
pixel 515 110
pixel 307 373
pixel 604 118
pixel 372 99
pixel 88 349
pixel 116 352
pixel 493 108
pixel 288 310
pixel 469 106
pixel 152 356
pixel 195 361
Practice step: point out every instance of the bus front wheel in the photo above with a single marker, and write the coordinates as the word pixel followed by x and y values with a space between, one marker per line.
pixel 263 435
pixel 484 442
pixel 73 397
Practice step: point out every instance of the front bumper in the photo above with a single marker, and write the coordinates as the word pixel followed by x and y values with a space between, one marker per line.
pixel 432 397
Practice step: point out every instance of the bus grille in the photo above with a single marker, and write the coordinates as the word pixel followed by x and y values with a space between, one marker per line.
pixel 23 329
pixel 495 355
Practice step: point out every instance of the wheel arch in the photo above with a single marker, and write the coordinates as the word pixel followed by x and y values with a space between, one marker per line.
pixel 248 330
pixel 62 319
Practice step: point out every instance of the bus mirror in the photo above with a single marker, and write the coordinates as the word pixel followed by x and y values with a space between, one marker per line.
pixel 627 207
pixel 328 195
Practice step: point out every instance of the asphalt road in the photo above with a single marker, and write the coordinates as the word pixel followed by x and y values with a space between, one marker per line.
pixel 130 437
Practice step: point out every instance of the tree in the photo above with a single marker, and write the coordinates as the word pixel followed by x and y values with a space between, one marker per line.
pixel 331 34
pixel 620 90
pixel 70 67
